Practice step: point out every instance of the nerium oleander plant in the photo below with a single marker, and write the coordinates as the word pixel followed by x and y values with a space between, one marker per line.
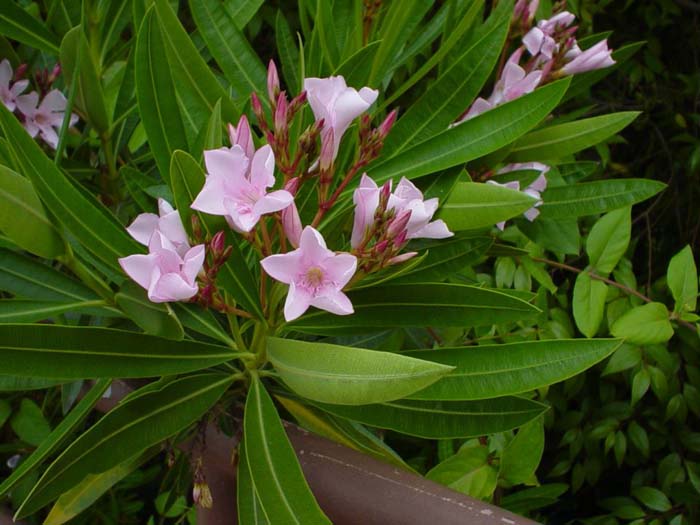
pixel 283 264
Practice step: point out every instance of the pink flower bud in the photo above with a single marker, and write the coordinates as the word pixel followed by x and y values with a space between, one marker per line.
pixel 381 246
pixel 281 113
pixel 596 57
pixel 218 242
pixel 399 224
pixel 257 108
pixel 400 239
pixel 292 185
pixel 327 149
pixel 401 258
pixel 291 222
pixel 21 71
pixel 242 136
pixel 296 104
pixel 385 127
pixel 273 81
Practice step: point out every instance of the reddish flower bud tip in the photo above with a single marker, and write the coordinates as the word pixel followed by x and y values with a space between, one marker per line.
pixel 255 104
pixel 398 225
pixel 21 71
pixel 402 258
pixel 381 246
pixel 327 149
pixel 385 127
pixel 281 112
pixel 385 191
pixel 292 185
pixel 218 242
pixel 273 81
pixel 400 239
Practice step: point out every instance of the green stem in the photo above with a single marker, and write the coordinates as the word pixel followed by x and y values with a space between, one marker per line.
pixel 236 332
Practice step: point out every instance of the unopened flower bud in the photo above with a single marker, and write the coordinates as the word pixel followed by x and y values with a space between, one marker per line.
pixel 21 71
pixel 291 223
pixel 384 194
pixel 202 495
pixel 55 73
pixel 402 258
pixel 273 81
pixel 381 246
pixel 218 243
pixel 399 224
pixel 196 228
pixel 400 239
pixel 292 185
pixel 296 104
pixel 242 136
pixel 205 295
pixel 327 153
pixel 256 105
pixel 281 113
pixel 385 127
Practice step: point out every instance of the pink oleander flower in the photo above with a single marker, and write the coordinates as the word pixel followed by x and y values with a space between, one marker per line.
pixel 337 104
pixel 46 119
pixel 596 57
pixel 236 187
pixel 534 190
pixel 406 198
pixel 291 221
pixel 167 223
pixel 165 274
pixel 315 275
pixel 9 91
pixel 525 10
pixel 539 40
pixel 513 83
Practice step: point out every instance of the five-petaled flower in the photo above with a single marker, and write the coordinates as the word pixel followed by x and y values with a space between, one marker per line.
pixel 168 223
pixel 236 186
pixel 9 91
pixel 46 118
pixel 337 104
pixel 315 275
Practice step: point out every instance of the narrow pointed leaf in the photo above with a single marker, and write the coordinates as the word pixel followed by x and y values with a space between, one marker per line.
pixel 279 482
pixel 131 427
pixel 250 511
pixel 490 371
pixel 66 352
pixel 444 419
pixel 154 318
pixel 349 376
pixel 30 311
pixel 18 24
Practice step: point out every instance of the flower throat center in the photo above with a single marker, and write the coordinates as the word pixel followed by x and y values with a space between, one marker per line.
pixel 314 276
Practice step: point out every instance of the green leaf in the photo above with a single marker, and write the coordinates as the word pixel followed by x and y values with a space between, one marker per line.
pixel 397 25
pixel 644 325
pixel 473 205
pixel 443 419
pixel 17 384
pixel 29 311
pixel 203 321
pixel 474 138
pixel 445 257
pixel 250 512
pixel 29 423
pixel 196 85
pixel 589 304
pixel 279 482
pixel 639 438
pixel 609 239
pixel 89 97
pixel 57 436
pixel 352 435
pixel 134 425
pixel 67 352
pixel 242 11
pixel 682 277
pixel 624 358
pixel 154 318
pixel 288 53
pixel 18 24
pixel 488 371
pixel 94 225
pixel 91 488
pixel 349 376
pixel 558 141
pixel 418 305
pixel 235 277
pixel 23 217
pixel 468 471
pixel 155 93
pixel 5 411
pixel 460 83
pixel 31 279
pixel 520 459
pixel 652 498
pixel 592 198
pixel 238 61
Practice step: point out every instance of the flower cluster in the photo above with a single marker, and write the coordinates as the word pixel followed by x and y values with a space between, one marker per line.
pixel 240 186
pixel 553 52
pixel 43 118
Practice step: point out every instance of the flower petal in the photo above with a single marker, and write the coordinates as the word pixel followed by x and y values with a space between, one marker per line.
pixel 272 202
pixel 171 287
pixel 313 246
pixel 283 267
pixel 211 198
pixel 139 267
pixel 340 268
pixel 226 162
pixel 335 302
pixel 193 261
pixel 298 301
pixel 143 227
pixel 262 168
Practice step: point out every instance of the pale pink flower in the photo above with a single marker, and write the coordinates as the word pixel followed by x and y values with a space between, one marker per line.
pixel 167 222
pixel 315 275
pixel 525 10
pixel 539 40
pixel 406 198
pixel 534 190
pixel 337 104
pixel 163 273
pixel 236 187
pixel 9 91
pixel 46 119
pixel 596 57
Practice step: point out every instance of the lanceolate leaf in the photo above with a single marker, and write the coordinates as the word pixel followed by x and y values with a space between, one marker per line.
pixel 349 376
pixel 473 205
pixel 57 436
pixel 28 311
pixel 592 198
pixel 555 142
pixel 489 371
pixel 65 352
pixel 250 511
pixel 16 384
pixel 156 97
pixel 418 305
pixel 279 482
pixel 94 227
pixel 444 419
pixel 154 318
pixel 23 217
pixel 17 24
pixel 132 426
pixel 474 138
